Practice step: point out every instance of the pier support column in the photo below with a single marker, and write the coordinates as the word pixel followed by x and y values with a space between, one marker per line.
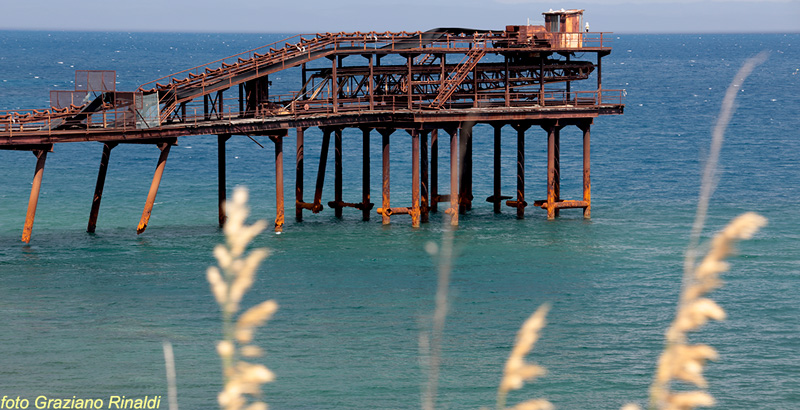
pixel 520 203
pixel 151 195
pixel 41 157
pixel 553 168
pixel 385 210
pixel 424 181
pixel 465 193
pixel 415 178
pixel 454 177
pixel 587 183
pixel 496 194
pixel 298 169
pixel 337 176
pixel 365 197
pixel 279 209
pixel 434 202
pixel 222 188
pixel 98 187
pixel 323 162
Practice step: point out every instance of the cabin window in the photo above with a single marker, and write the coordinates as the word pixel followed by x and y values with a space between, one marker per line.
pixel 553 24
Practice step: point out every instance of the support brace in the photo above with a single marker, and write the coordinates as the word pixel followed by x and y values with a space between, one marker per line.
pixel 151 195
pixel 41 157
pixel 98 188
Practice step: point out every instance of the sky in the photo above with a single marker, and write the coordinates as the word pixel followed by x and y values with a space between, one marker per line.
pixel 309 16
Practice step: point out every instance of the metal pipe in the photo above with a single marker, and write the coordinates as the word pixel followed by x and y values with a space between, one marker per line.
pixel 551 171
pixel 386 203
pixel 334 85
pixel 98 188
pixel 151 195
pixel 222 184
pixel 337 177
pixel 41 157
pixel 365 197
pixel 298 180
pixel 557 167
pixel 415 178
pixel 323 162
pixel 434 207
pixel 521 172
pixel 497 187
pixel 453 176
pixel 587 183
pixel 279 217
pixel 424 178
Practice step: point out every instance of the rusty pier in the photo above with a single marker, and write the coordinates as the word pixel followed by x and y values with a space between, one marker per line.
pixel 416 88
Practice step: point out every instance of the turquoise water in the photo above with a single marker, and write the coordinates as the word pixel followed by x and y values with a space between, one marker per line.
pixel 85 315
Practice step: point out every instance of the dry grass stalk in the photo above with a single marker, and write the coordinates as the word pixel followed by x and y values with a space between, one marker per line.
pixel 229 282
pixel 680 360
pixel 517 371
pixel 431 346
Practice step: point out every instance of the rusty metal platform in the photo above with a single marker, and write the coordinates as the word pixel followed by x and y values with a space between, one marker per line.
pixel 421 82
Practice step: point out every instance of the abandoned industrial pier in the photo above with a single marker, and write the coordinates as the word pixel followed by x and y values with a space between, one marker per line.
pixel 433 84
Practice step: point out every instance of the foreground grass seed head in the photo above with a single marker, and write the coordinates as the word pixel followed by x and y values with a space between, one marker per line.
pixel 682 361
pixel 229 281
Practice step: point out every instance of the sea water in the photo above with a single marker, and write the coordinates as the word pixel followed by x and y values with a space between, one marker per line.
pixel 85 315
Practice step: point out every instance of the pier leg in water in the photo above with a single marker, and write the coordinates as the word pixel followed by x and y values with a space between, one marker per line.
pixel 415 178
pixel 41 156
pixel 520 202
pixel 337 179
pixel 98 188
pixel 587 183
pixel 298 181
pixel 465 157
pixel 385 210
pixel 222 188
pixel 434 207
pixel 323 162
pixel 497 201
pixel 279 216
pixel 365 197
pixel 151 195
pixel 423 169
pixel 553 178
pixel 454 177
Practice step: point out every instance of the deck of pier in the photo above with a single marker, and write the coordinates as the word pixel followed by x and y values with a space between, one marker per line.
pixel 421 82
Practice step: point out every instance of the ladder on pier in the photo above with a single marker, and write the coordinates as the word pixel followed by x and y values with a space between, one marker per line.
pixel 457 76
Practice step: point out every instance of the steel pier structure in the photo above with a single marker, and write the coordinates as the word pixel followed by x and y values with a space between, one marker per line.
pixel 433 84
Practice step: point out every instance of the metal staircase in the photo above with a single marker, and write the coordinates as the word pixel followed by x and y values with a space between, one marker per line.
pixel 457 76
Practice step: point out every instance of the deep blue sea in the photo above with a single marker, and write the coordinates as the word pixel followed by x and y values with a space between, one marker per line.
pixel 85 315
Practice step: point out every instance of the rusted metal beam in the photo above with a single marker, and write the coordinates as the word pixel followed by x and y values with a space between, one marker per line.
pixel 434 202
pixel 553 171
pixel 386 203
pixel 298 169
pixel 454 177
pixel 424 177
pixel 33 200
pixel 496 194
pixel 151 195
pixel 323 162
pixel 465 159
pixel 520 203
pixel 365 174
pixel 279 208
pixel 337 177
pixel 334 84
pixel 415 178
pixel 98 188
pixel 222 187
pixel 587 183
